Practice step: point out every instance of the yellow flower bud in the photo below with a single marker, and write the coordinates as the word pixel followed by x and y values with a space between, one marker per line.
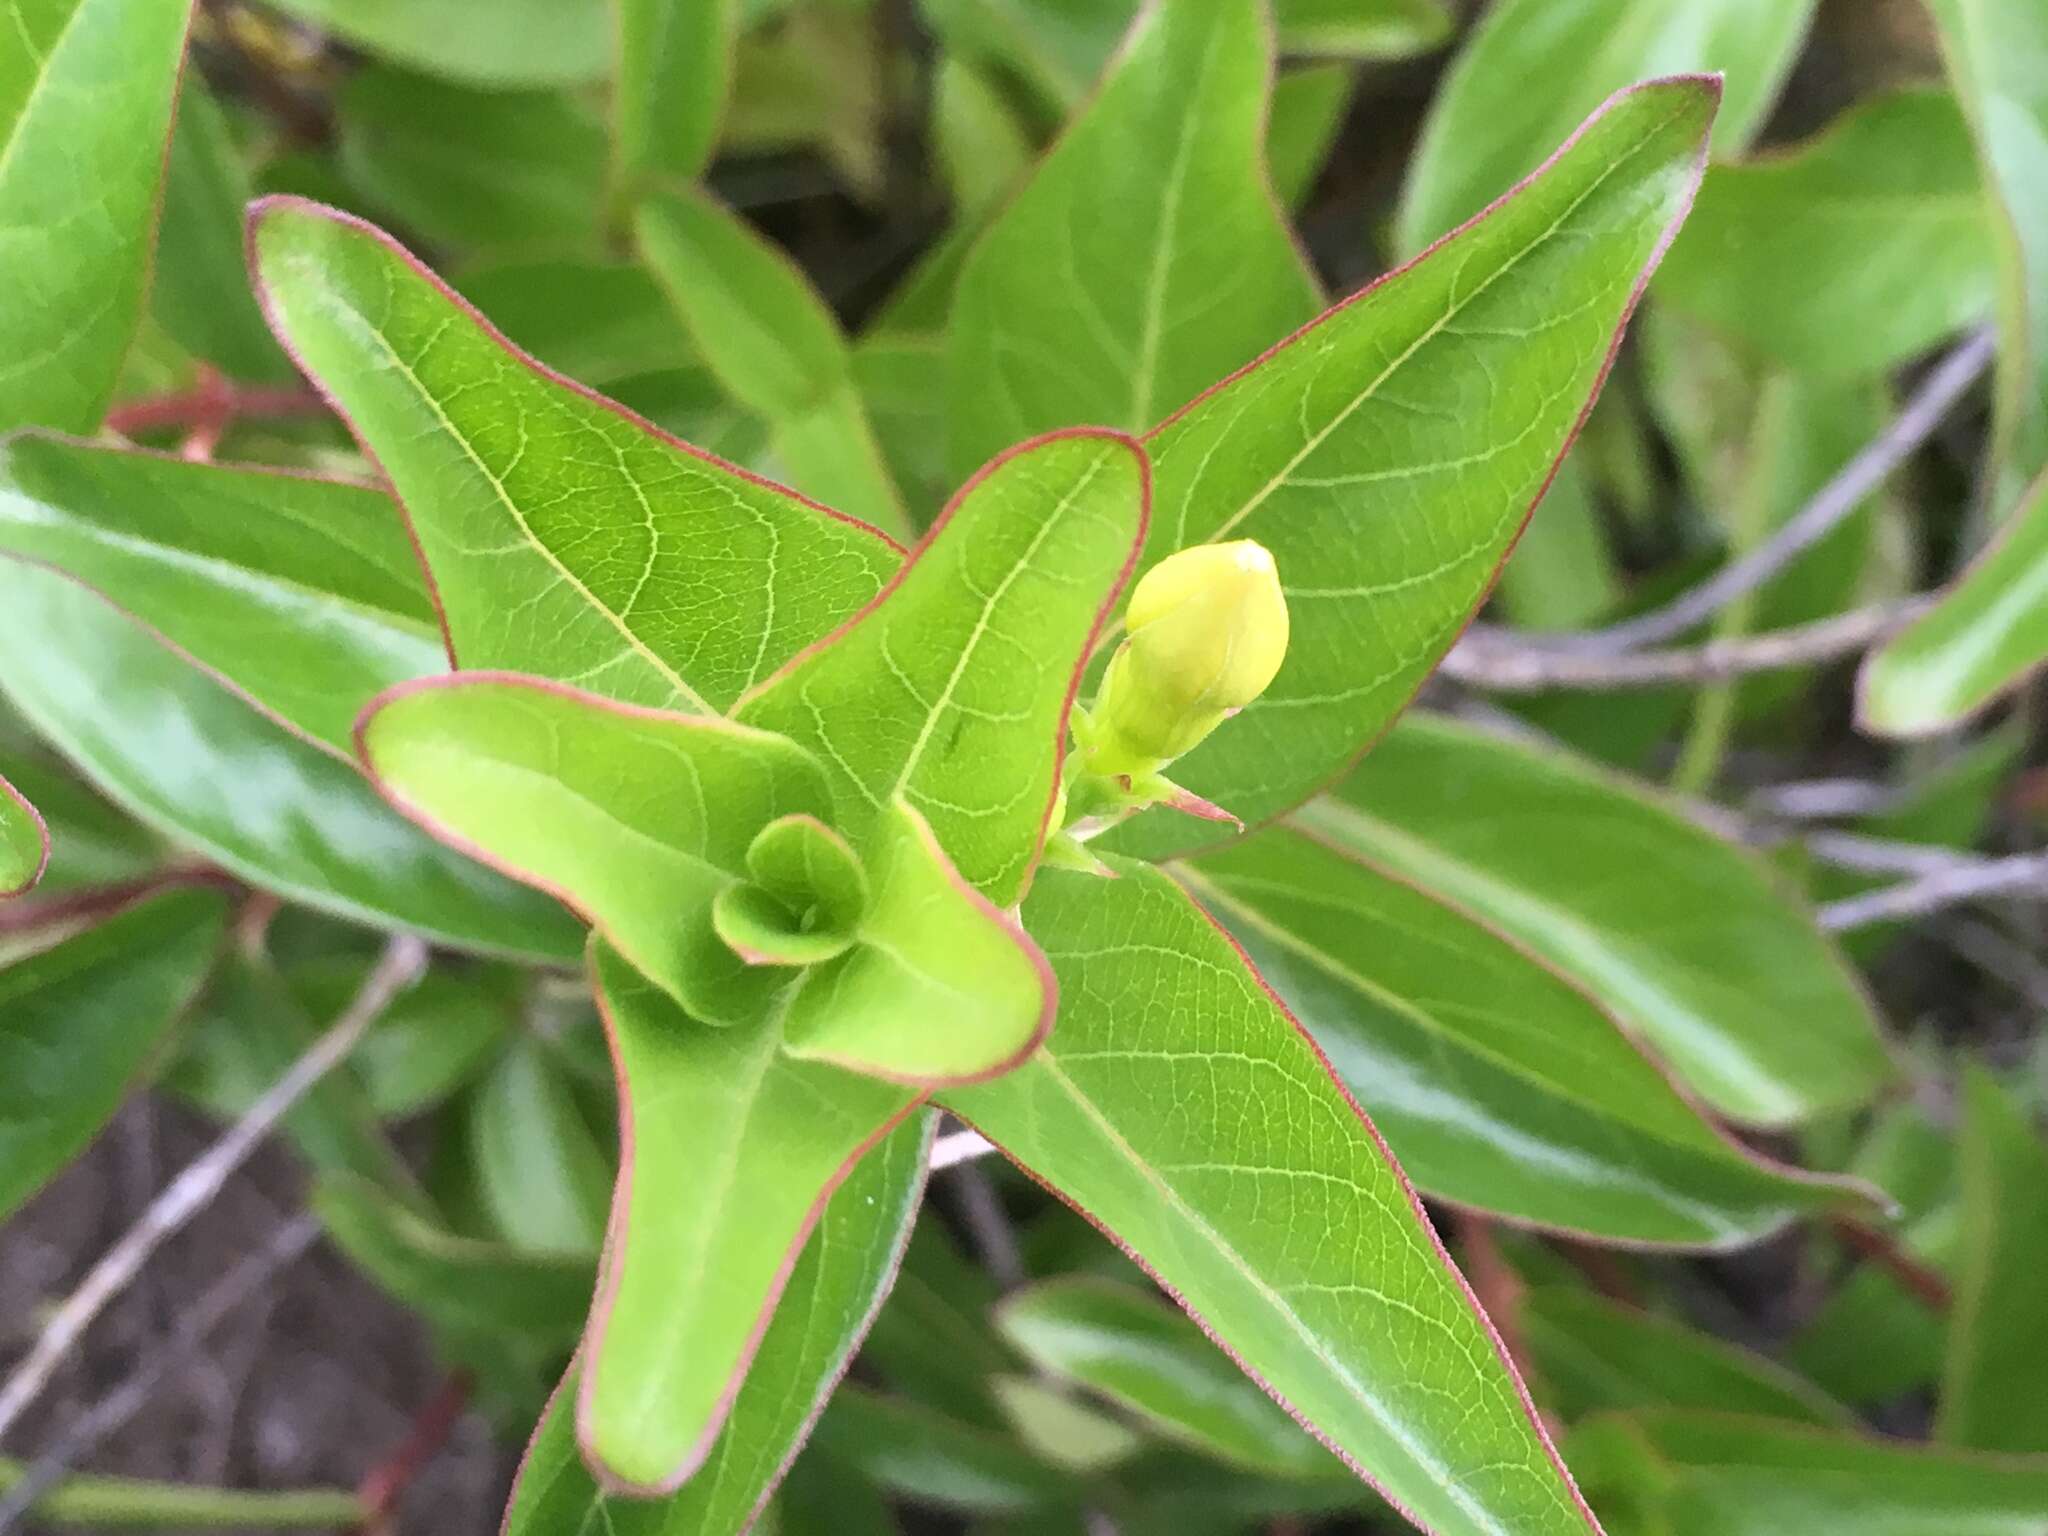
pixel 1205 633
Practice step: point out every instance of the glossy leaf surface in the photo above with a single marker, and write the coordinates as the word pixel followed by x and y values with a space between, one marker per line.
pixel 636 818
pixel 24 842
pixel 1991 1397
pixel 1488 126
pixel 177 751
pixel 1390 453
pixel 952 689
pixel 1637 904
pixel 731 1151
pixel 643 570
pixel 1702 1474
pixel 79 1020
pixel 775 346
pixel 1988 631
pixel 833 1294
pixel 301 594
pixel 1497 1083
pixel 1287 1231
pixel 517 42
pixel 1803 253
pixel 1145 258
pixel 1139 1352
pixel 86 88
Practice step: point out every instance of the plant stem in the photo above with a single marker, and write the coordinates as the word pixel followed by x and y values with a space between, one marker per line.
pixel 137 1504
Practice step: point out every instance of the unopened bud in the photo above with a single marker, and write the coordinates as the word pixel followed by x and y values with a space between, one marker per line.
pixel 1205 633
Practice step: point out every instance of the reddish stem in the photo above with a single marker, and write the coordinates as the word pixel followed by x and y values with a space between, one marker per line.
pixel 27 914
pixel 210 405
pixel 1926 1285
pixel 387 1482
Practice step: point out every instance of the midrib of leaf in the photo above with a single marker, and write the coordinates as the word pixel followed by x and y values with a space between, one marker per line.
pixel 1424 1020
pixel 1445 1476
pixel 1143 411
pixel 981 626
pixel 1452 310
pixel 683 690
pixel 1586 941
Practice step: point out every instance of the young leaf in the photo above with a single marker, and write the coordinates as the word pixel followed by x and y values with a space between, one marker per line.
pixel 565 537
pixel 301 595
pixel 774 345
pixel 952 688
pixel 1997 57
pixel 79 1021
pixel 1497 1083
pixel 833 1294
pixel 942 987
pixel 1389 455
pixel 636 818
pixel 1137 1352
pixel 1489 122
pixel 1988 631
pixel 675 71
pixel 1716 1474
pixel 1802 254
pixel 511 42
pixel 190 759
pixel 1630 899
pixel 1590 1355
pixel 86 88
pixel 731 1149
pixel 1183 1109
pixel 1145 258
pixel 1991 1397
pixel 24 842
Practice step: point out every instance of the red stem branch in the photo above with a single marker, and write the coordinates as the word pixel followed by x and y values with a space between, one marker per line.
pixel 1926 1285
pixel 386 1482
pixel 210 405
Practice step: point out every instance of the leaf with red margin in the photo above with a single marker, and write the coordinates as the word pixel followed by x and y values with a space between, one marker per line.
pixel 1181 1108
pixel 952 689
pixel 564 536
pixel 24 842
pixel 636 818
pixel 1390 454
pixel 834 1292
pixel 730 1149
pixel 297 593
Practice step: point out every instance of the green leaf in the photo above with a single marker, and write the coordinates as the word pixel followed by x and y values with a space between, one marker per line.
pixel 1997 57
pixel 732 1148
pixel 1991 1397
pixel 1307 111
pixel 186 757
pixel 1149 1358
pixel 1490 121
pixel 519 171
pixel 1587 1354
pixel 942 986
pixel 80 1020
pixel 636 818
pixel 91 843
pixel 1846 254
pixel 1055 1425
pixel 565 537
pixel 930 1459
pixel 833 1295
pixel 774 345
pixel 601 322
pixel 200 290
pixel 1988 631
pixel 982 148
pixel 1389 455
pixel 1497 1082
pixel 1625 896
pixel 1145 258
pixel 932 1341
pixel 459 1283
pixel 1701 1474
pixel 430 1042
pixel 1184 1111
pixel 510 42
pixel 86 88
pixel 300 595
pixel 1362 29
pixel 24 842
pixel 953 688
pixel 544 1179
pixel 675 70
